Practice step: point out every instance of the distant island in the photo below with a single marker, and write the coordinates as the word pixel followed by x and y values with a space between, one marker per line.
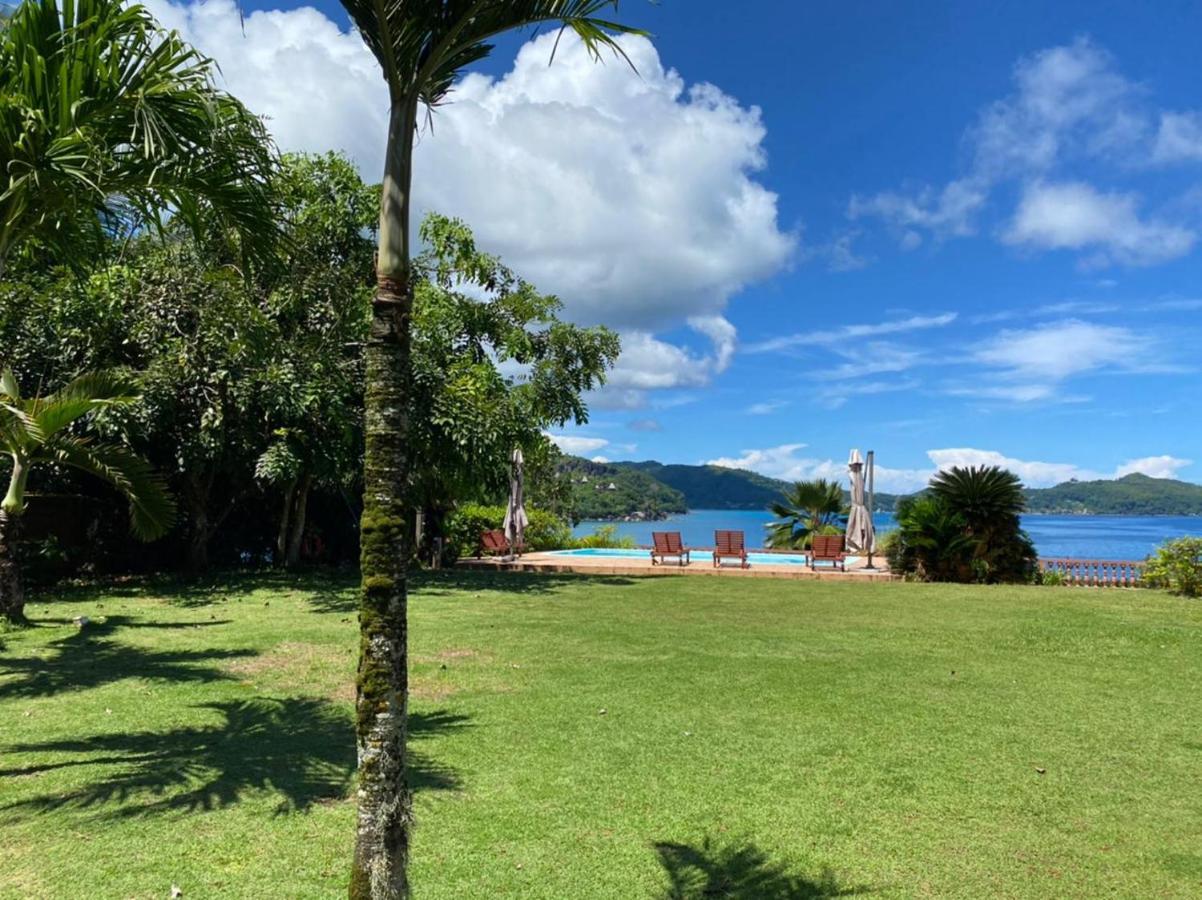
pixel 651 490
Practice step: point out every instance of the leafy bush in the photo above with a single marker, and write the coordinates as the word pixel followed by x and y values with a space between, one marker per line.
pixel 1176 566
pixel 604 536
pixel 464 527
pixel 1053 578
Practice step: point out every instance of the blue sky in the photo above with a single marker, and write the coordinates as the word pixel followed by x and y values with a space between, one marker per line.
pixel 947 232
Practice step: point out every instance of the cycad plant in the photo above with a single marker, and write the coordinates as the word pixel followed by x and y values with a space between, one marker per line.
pixel 39 431
pixel 422 47
pixel 106 118
pixel 809 508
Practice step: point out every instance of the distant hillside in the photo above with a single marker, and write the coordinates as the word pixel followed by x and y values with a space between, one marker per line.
pixel 1131 495
pixel 604 491
pixel 714 487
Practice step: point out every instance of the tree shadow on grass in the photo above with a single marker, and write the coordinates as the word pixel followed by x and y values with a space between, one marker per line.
pixel 740 871
pixel 91 658
pixel 300 749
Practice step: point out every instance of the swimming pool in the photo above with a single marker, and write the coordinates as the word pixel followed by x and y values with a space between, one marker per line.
pixel 756 559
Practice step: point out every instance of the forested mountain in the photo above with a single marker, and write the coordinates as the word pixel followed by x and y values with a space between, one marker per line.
pixel 606 491
pixel 1131 495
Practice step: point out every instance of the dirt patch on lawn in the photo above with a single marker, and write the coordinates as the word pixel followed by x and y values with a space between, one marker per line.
pixel 322 667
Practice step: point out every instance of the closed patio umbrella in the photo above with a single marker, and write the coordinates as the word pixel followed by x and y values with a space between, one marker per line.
pixel 860 535
pixel 515 515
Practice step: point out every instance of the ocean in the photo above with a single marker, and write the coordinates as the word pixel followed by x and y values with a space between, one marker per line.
pixel 1084 537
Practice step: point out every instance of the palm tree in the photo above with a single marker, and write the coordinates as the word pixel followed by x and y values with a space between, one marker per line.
pixel 810 508
pixel 422 46
pixel 38 430
pixel 932 540
pixel 106 120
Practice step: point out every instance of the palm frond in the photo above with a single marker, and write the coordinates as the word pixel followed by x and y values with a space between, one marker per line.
pixel 151 507
pixel 83 395
pixel 8 384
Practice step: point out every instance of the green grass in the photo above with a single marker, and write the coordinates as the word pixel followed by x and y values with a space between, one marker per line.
pixel 613 738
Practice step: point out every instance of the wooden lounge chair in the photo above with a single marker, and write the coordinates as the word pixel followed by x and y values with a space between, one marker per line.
pixel 729 545
pixel 492 543
pixel 668 543
pixel 828 548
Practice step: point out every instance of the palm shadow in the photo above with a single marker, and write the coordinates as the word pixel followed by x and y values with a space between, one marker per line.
pixel 740 871
pixel 91 658
pixel 300 749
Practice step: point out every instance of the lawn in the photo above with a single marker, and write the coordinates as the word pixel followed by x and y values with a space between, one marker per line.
pixel 617 738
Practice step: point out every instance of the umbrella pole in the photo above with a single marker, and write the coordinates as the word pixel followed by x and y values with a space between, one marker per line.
pixel 871 510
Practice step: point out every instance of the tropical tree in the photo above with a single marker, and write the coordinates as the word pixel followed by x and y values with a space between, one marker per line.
pixel 931 542
pixel 422 46
pixel 809 508
pixel 990 500
pixel 106 121
pixel 37 431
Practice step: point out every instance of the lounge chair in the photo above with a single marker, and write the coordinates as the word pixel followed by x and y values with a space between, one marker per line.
pixel 729 545
pixel 828 548
pixel 493 543
pixel 668 543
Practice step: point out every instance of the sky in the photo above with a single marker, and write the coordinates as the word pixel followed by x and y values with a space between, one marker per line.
pixel 953 233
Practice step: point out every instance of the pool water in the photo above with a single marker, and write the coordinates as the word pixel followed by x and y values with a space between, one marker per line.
pixel 761 559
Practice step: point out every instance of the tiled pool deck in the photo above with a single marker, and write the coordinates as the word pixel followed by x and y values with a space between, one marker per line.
pixel 702 564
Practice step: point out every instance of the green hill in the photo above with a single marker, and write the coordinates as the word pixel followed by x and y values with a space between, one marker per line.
pixel 1131 495
pixel 714 487
pixel 605 491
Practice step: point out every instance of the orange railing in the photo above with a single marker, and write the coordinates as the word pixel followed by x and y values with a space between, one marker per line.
pixel 1096 572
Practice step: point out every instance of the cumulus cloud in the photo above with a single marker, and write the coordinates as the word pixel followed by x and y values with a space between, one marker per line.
pixel 631 196
pixel 1076 216
pixel 788 462
pixel 1069 104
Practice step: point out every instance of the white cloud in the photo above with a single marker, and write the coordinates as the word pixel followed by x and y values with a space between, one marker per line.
pixel 1069 104
pixel 765 409
pixel 787 462
pixel 1179 138
pixel 633 197
pixel 1057 350
pixel 1154 466
pixel 1076 216
pixel 846 333
pixel 577 444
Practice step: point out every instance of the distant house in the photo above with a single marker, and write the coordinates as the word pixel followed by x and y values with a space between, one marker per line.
pixel 612 487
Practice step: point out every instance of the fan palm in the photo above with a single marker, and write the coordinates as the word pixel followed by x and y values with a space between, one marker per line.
pixel 38 430
pixel 105 118
pixel 422 46
pixel 809 508
pixel 932 540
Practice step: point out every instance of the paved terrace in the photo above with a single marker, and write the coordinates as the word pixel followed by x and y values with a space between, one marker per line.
pixel 702 565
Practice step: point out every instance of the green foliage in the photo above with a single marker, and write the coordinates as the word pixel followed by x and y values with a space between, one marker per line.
pixel 1176 566
pixel 1053 578
pixel 809 508
pixel 545 531
pixel 602 537
pixel 106 121
pixel 605 491
pixel 965 528
pixel 1131 495
pixel 43 430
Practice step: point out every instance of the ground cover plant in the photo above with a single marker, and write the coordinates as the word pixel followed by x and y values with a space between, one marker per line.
pixel 586 737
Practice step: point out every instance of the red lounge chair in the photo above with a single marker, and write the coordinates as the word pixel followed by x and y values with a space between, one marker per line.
pixel 668 543
pixel 492 543
pixel 828 548
pixel 729 545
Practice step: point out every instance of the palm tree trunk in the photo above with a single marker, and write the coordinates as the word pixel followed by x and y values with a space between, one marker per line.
pixel 381 697
pixel 12 592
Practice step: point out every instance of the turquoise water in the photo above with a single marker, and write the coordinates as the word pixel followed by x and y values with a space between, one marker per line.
pixel 1090 537
pixel 762 559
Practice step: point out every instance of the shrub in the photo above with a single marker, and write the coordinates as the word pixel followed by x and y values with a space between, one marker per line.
pixel 1176 566
pixel 604 536
pixel 1053 578
pixel 545 530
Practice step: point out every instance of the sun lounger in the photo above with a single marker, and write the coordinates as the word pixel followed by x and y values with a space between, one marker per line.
pixel 493 543
pixel 729 545
pixel 668 543
pixel 828 548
